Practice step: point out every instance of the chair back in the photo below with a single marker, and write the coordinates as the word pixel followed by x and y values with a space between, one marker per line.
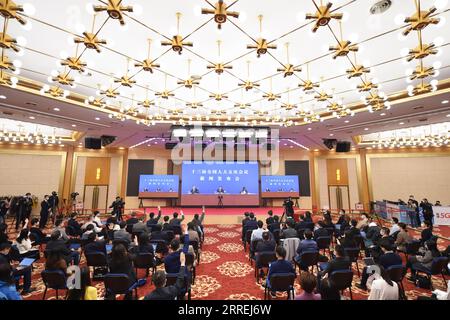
pixel 189 260
pixel 310 258
pixel 276 235
pixel 358 240
pixel 161 246
pixel 265 258
pixel 96 259
pixel 341 279
pixel 330 230
pixel 117 283
pixel 282 281
pixel 171 279
pixel 438 265
pixel 194 244
pixel 129 228
pixel 54 279
pixel 323 242
pixel 70 231
pixel 352 253
pixel 150 226
pixel 144 261
pixel 176 229
pixel 301 233
pixel 413 247
pixel 171 235
pixel 14 253
pixel 396 272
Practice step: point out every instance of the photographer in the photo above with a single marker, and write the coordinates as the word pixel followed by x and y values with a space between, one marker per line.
pixel 4 207
pixel 118 205
pixel 45 211
pixel 289 207
pixel 53 202
pixel 25 205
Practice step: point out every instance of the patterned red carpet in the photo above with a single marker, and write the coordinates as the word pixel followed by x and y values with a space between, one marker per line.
pixel 225 272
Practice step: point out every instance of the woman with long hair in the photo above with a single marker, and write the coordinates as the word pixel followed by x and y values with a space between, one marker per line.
pixel 25 246
pixel 383 288
pixel 424 258
pixel 121 263
pixel 86 291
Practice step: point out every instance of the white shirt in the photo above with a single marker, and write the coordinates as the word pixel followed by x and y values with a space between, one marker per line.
pixel 257 234
pixel 24 246
pixel 394 228
pixel 381 290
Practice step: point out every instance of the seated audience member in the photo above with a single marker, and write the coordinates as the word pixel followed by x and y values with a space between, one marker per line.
pixel 8 289
pixel 95 245
pixel 17 273
pixel 257 233
pixel 158 234
pixel 122 234
pixel 341 262
pixel 88 231
pixel 60 226
pixel 372 234
pixel 302 224
pixel 96 218
pixel 364 222
pixel 36 234
pixel 86 291
pixel 320 231
pixel 290 231
pixel 166 225
pixel 3 235
pixel 55 261
pixel 193 233
pixel 281 265
pixel 57 244
pixel 251 224
pixel 91 221
pixel 25 247
pixel 175 221
pixel 112 219
pixel 328 291
pixel 386 259
pixel 308 217
pixel 269 219
pixel 384 288
pixel 162 292
pixel 133 220
pixel 121 263
pixel 172 260
pixel 426 233
pixel 198 221
pixel 375 251
pixel 341 217
pixel 152 220
pixel 308 283
pixel 394 228
pixel 144 245
pixel 425 257
pixel 140 226
pixel 267 244
pixel 354 231
pixel 403 237
pixel 75 226
pixel 275 225
pixel 348 241
pixel 246 218
pixel 307 245
pixel 328 221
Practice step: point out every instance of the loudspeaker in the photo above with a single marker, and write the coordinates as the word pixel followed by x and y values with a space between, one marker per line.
pixel 107 140
pixel 343 146
pixel 170 145
pixel 330 143
pixel 93 143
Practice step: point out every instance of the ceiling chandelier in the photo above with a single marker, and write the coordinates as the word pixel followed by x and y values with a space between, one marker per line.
pixel 24 132
pixel 323 15
pixel 220 12
pixel 261 45
pixel 177 43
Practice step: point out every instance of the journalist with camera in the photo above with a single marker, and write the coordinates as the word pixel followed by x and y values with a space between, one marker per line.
pixel 118 205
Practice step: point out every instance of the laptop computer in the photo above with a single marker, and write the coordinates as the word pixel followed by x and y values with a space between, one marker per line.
pixel 109 247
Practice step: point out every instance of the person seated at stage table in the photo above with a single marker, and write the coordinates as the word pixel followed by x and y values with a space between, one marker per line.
pixel 426 233
pixel 194 190
pixel 289 231
pixel 133 220
pixel 94 245
pixel 175 221
pixel 269 219
pixel 220 190
pixel 152 220
pixel 163 292
pixel 320 231
pixel 122 234
pixel 172 260
pixel 244 190
pixel 306 245
pixel 386 259
pixel 308 283
pixel 75 226
pixel 275 225
pixel 281 265
pixel 403 237
pixel 140 226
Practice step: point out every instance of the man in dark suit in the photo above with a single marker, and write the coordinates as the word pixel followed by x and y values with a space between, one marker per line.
pixel 172 260
pixel 94 245
pixel 270 220
pixel 302 224
pixel 122 234
pixel 320 231
pixel 166 225
pixel 45 211
pixel 266 245
pixel 152 220
pixel 341 262
pixel 426 233
pixel 251 224
pixel 275 225
pixel 281 265
pixel 133 220
pixel 39 236
pixel 194 190
pixel 118 206
pixel 158 234
pixel 175 221
pixel 75 226
pixel 289 231
pixel 354 231
pixel 162 292
pixel 56 244
pixel 427 210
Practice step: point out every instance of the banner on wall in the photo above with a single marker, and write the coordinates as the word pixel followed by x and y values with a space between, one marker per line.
pixel 441 216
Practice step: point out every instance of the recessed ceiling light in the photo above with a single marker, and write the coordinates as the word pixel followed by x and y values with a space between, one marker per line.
pixel 291 147
pixel 32 118
pixel 401 123
pixel 347 121
pixel 444 101
pixel 448 116
pixel 2 97
pixel 309 129
pixel 365 129
pixel 98 119
pixel 56 109
pixel 74 126
pixel 331 134
pixel 382 114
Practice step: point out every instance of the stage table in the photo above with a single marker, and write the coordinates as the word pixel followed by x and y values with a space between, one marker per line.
pixel 168 196
pixel 237 200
